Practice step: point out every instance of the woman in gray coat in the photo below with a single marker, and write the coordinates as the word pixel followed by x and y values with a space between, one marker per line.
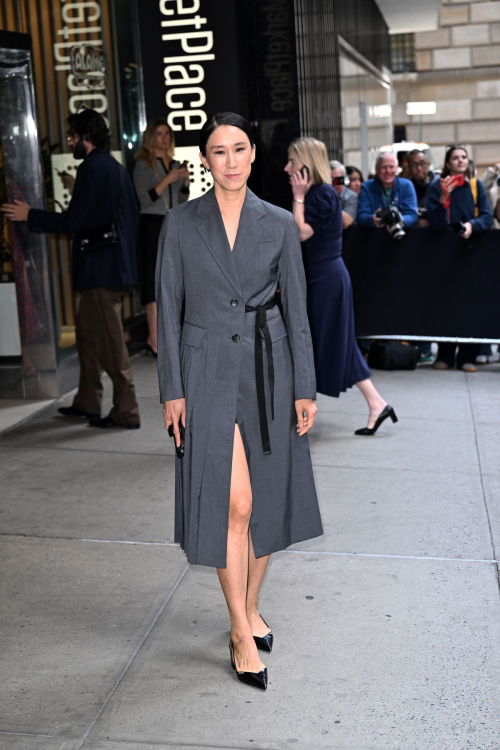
pixel 240 379
pixel 160 182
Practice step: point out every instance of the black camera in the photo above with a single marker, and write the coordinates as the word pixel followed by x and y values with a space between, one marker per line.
pixel 392 217
pixel 338 180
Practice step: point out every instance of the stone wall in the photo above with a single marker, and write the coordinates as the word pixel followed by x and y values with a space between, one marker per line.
pixel 458 67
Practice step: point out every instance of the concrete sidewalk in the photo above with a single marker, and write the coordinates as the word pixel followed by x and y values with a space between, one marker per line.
pixel 387 628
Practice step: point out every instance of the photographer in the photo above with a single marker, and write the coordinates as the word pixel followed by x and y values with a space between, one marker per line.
pixel 491 182
pixel 102 217
pixel 458 201
pixel 387 191
pixel 348 199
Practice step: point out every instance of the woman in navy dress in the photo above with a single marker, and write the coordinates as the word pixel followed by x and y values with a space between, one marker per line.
pixel 318 213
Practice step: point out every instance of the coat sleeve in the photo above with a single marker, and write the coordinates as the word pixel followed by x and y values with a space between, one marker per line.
pixel 365 211
pixel 409 204
pixel 145 181
pixel 489 177
pixel 169 299
pixel 79 212
pixel 484 221
pixel 293 290
pixel 436 213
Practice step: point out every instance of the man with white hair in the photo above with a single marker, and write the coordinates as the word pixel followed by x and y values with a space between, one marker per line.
pixel 386 190
pixel 348 198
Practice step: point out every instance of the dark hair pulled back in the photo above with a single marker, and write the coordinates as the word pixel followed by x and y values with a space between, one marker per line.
pixel 91 126
pixel 224 118
pixel 445 172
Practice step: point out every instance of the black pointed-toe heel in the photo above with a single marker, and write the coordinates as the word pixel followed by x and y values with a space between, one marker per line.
pixel 388 411
pixel 254 679
pixel 264 642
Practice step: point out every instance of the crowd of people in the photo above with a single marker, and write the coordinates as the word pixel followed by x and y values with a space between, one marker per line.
pixel 396 197
pixel 453 198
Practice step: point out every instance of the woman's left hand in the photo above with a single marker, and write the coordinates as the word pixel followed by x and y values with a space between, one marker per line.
pixel 300 184
pixel 306 414
pixel 17 211
pixel 468 230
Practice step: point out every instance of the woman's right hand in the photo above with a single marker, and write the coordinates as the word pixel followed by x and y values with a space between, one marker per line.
pixel 447 185
pixel 173 412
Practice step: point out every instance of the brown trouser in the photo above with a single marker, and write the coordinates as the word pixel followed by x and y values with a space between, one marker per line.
pixel 101 346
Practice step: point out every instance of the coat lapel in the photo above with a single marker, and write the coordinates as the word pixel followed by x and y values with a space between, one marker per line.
pixel 214 236
pixel 250 230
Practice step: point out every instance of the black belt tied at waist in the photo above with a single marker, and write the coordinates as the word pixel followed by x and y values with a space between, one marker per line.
pixel 261 325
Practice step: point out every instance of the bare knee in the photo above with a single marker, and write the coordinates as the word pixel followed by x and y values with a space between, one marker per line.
pixel 240 510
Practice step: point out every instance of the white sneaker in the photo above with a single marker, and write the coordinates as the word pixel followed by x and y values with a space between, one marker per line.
pixel 482 359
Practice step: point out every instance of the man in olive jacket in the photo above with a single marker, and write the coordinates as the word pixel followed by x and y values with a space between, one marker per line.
pixel 101 276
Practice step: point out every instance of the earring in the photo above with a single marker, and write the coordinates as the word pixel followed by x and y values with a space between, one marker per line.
pixel 207 171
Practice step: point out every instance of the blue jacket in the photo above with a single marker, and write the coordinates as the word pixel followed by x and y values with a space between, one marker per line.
pixel 93 205
pixel 461 207
pixel 371 198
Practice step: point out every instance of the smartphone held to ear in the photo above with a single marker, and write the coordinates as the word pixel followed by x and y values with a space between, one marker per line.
pixel 305 172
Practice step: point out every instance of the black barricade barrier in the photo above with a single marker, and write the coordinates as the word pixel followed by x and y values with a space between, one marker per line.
pixel 431 283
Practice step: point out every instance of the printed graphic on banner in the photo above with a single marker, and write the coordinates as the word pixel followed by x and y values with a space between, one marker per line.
pixel 81 54
pixel 89 66
pixel 200 181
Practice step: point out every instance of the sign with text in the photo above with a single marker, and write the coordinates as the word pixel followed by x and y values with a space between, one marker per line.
pixel 189 53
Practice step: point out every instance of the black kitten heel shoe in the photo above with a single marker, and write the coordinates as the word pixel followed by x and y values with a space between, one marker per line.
pixel 388 411
pixel 254 679
pixel 265 642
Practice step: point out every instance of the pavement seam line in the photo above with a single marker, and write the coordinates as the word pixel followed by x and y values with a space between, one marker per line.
pixel 485 502
pixel 130 661
pixel 289 551
pixel 389 557
pixel 36 446
pixel 89 450
pixel 42 736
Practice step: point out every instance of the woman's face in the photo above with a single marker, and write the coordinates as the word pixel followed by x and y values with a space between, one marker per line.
pixel 355 182
pixel 458 161
pixel 162 138
pixel 229 157
pixel 293 164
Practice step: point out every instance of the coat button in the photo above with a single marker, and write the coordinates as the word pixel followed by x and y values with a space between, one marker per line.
pixel 235 338
pixel 234 303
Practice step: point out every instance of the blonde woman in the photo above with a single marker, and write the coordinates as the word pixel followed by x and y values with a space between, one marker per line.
pixel 318 214
pixel 160 183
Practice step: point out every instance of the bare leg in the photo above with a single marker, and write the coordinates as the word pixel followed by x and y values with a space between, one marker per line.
pixel 256 571
pixel 152 315
pixel 376 403
pixel 234 577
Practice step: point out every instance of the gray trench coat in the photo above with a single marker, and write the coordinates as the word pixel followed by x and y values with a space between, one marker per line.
pixel 207 354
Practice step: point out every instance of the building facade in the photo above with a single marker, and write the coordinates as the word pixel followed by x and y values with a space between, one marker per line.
pixel 291 67
pixel 457 65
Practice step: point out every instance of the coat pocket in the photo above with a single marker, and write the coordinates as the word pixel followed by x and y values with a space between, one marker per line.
pixel 193 335
pixel 277 328
pixel 192 338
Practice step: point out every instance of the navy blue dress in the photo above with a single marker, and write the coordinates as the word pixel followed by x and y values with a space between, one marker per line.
pixel 338 360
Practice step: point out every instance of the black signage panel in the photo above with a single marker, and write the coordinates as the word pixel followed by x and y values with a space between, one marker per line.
pixel 190 53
